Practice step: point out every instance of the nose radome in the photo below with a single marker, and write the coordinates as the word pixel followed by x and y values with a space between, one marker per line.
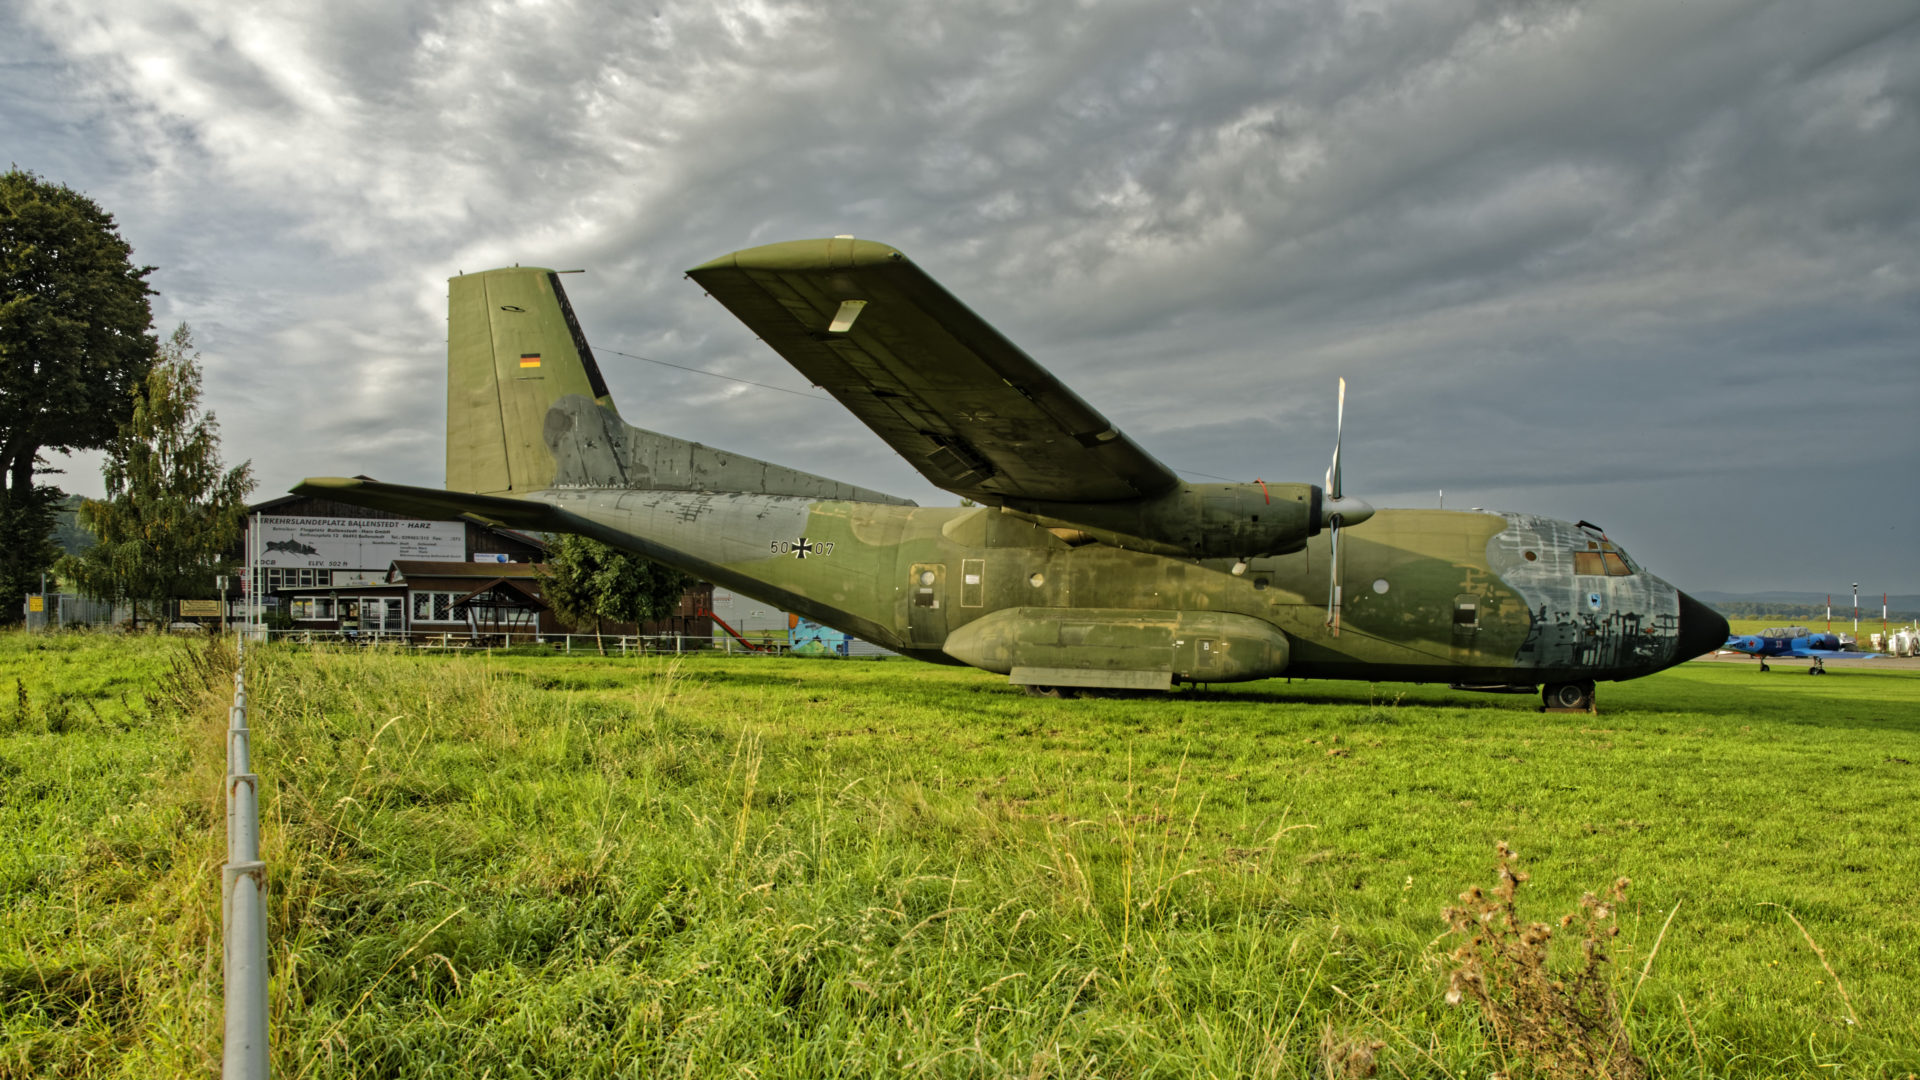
pixel 1702 629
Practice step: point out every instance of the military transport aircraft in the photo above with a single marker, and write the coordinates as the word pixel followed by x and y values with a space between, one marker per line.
pixel 1086 563
pixel 1794 643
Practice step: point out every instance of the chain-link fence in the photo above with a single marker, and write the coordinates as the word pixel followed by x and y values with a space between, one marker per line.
pixel 63 611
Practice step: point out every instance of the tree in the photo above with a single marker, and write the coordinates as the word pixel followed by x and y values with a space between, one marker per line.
pixel 585 580
pixel 74 342
pixel 170 514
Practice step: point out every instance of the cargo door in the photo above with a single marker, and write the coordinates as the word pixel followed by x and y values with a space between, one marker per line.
pixel 926 603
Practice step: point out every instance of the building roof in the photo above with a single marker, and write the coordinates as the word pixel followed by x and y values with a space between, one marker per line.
pixel 405 569
pixel 332 509
pixel 503 592
pixel 316 507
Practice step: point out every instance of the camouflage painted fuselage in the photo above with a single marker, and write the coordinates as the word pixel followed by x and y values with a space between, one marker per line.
pixel 1088 563
pixel 1430 595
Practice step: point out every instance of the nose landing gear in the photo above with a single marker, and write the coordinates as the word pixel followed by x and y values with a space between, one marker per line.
pixel 1567 697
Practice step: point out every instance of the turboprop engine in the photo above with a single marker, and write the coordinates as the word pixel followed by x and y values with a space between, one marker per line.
pixel 1202 521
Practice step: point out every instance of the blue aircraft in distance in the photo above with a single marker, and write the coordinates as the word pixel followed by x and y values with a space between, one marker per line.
pixel 1793 643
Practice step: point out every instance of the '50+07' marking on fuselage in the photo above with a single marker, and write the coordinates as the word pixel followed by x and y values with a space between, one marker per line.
pixel 802 547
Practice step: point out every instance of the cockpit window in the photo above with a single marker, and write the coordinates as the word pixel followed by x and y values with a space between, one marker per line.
pixel 1607 563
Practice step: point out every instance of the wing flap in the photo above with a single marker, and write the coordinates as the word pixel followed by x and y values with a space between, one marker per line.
pixel 965 406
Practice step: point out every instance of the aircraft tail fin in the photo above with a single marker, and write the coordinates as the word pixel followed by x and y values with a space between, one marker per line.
pixel 528 410
pixel 513 349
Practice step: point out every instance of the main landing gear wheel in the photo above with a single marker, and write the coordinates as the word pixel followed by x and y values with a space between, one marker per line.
pixel 1764 667
pixel 1819 667
pixel 1568 696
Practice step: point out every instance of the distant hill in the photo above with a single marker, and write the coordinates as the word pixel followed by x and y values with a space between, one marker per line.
pixel 1806 605
pixel 72 537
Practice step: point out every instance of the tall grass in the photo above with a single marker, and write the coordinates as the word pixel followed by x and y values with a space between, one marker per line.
pixel 544 867
pixel 109 903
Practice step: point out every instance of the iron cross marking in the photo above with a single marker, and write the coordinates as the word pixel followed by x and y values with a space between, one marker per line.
pixel 802 547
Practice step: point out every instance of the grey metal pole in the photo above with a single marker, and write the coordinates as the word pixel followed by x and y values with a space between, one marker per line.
pixel 238 760
pixel 244 888
pixel 243 818
pixel 243 904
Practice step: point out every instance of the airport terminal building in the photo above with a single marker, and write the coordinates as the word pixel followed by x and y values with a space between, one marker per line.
pixel 323 566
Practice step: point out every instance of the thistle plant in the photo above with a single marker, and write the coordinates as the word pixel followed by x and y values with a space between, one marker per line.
pixel 1561 1025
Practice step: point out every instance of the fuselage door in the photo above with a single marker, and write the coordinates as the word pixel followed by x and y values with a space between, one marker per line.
pixel 1466 626
pixel 973 582
pixel 926 603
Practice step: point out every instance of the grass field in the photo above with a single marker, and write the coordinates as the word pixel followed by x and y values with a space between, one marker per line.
pixel 569 866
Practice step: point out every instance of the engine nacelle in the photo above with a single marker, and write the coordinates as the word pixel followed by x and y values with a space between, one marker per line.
pixel 1200 521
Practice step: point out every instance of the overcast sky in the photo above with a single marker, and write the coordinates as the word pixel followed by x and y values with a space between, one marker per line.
pixel 1654 264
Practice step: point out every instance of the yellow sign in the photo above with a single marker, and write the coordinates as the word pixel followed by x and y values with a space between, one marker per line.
pixel 199 609
pixel 36 603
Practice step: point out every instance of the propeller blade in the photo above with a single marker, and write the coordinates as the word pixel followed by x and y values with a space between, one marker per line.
pixel 1333 584
pixel 1339 422
pixel 1334 513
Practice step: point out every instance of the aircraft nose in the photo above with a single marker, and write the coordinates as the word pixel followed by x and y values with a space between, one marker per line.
pixel 1702 629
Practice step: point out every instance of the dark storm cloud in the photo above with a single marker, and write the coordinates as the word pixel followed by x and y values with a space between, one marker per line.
pixel 1658 261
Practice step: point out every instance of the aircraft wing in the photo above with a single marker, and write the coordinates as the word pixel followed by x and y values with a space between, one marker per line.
pixel 1828 654
pixel 965 406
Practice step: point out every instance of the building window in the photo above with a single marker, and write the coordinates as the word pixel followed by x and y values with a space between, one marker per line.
pixel 432 606
pixel 289 577
pixel 312 608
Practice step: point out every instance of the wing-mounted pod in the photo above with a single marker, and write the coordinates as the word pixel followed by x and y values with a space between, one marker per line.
pixel 1197 521
pixel 1121 648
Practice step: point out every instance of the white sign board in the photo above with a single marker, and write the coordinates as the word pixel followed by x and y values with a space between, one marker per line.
pixel 356 543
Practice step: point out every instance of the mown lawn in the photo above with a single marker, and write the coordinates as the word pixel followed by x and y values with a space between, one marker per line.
pixel 568 866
